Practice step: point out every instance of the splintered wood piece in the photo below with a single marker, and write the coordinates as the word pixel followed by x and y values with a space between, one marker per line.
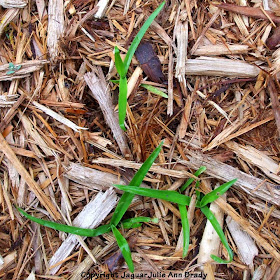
pixel 245 244
pixel 249 11
pixel 185 118
pixel 220 49
pixel 102 7
pixel 92 178
pixel 7 17
pixel 55 27
pixel 58 117
pixel 273 92
pixel 38 140
pixel 257 158
pixel 170 82
pixel 225 172
pixel 99 91
pixel 26 68
pixel 154 168
pixel 13 3
pixel 210 66
pixel 90 217
pixel 181 34
pixel 45 201
pixel 150 62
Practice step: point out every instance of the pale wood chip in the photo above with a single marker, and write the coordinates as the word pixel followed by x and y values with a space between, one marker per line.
pixel 55 27
pixel 99 91
pixel 222 67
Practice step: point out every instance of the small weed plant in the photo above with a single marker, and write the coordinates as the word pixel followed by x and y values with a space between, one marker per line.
pixel 122 66
pixel 172 196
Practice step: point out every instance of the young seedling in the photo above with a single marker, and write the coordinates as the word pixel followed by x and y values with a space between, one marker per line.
pixel 122 66
pixel 134 189
pixel 13 68
pixel 183 201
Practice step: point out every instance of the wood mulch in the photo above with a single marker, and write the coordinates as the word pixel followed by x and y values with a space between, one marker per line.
pixel 61 148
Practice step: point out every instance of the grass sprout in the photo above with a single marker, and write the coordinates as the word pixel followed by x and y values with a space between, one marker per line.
pixel 122 66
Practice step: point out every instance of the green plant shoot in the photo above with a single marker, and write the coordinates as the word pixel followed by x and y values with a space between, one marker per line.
pixel 122 66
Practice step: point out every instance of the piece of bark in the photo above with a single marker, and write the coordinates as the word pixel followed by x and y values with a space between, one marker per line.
pixel 212 66
pixel 13 3
pixel 249 11
pixel 55 27
pixel 274 39
pixel 99 91
pixel 273 92
pixel 245 244
pixel 45 201
pixel 225 172
pixel 90 217
pixel 150 62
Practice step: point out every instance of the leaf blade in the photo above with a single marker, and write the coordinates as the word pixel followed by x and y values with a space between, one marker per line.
pixel 216 193
pixel 126 198
pixel 139 36
pixel 171 196
pixel 124 247
pixel 186 229
pixel 122 101
pixel 211 217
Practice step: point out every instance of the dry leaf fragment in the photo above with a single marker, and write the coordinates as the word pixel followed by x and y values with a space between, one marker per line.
pixel 150 63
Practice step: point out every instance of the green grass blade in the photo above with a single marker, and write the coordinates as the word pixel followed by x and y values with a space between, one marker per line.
pixel 70 229
pixel 154 90
pixel 122 101
pixel 186 229
pixel 124 247
pixel 213 195
pixel 189 181
pixel 119 63
pixel 130 222
pixel 139 37
pixel 171 196
pixel 126 198
pixel 211 217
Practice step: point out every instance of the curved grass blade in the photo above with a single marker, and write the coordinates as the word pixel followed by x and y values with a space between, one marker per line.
pixel 189 181
pixel 154 90
pixel 124 247
pixel 139 37
pixel 70 229
pixel 213 195
pixel 138 220
pixel 186 229
pixel 211 217
pixel 122 101
pixel 126 198
pixel 128 223
pixel 171 196
pixel 119 63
